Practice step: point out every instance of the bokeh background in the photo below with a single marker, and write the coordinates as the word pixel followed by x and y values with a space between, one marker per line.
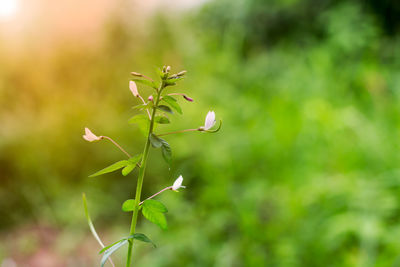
pixel 305 171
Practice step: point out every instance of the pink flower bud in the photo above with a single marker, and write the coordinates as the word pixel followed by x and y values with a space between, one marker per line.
pixel 188 98
pixel 133 88
pixel 150 98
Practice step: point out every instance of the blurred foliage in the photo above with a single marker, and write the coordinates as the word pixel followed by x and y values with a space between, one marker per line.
pixel 305 171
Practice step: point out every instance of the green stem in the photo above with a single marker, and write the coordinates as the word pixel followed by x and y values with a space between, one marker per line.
pixel 140 178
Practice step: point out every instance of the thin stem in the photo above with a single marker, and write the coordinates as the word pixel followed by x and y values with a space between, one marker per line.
pixel 144 102
pixel 141 176
pixel 116 144
pixel 156 194
pixel 181 131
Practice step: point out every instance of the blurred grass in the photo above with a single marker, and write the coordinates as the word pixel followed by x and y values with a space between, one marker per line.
pixel 303 173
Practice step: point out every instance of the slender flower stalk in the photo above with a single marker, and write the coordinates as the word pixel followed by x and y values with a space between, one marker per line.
pixel 177 184
pixel 91 137
pixel 183 95
pixel 117 145
pixel 156 194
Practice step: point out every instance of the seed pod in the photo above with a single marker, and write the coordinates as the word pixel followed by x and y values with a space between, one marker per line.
pixel 136 74
pixel 181 73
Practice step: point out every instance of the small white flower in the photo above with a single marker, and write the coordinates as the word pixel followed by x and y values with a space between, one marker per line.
pixel 178 184
pixel 89 136
pixel 133 88
pixel 210 120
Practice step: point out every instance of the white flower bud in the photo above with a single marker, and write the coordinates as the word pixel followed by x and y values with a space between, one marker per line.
pixel 210 120
pixel 178 184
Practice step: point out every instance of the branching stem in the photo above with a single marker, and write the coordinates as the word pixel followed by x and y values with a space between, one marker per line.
pixel 141 176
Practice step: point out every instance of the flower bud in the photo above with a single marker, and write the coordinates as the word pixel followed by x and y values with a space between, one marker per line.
pixel 178 184
pixel 136 74
pixel 188 98
pixel 167 69
pixel 210 120
pixel 150 98
pixel 181 73
pixel 133 88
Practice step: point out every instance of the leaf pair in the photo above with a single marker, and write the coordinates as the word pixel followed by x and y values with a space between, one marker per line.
pixel 152 210
pixel 109 250
pixel 158 142
pixel 127 165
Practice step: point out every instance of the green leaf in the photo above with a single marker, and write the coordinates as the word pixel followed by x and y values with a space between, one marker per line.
pixel 132 163
pixel 155 140
pixel 170 98
pixel 155 205
pixel 154 216
pixel 128 169
pixel 109 246
pixel 166 151
pixel 91 226
pixel 162 120
pixel 111 168
pixel 135 159
pixel 142 121
pixel 112 249
pixel 128 205
pixel 141 237
pixel 165 148
pixel 172 102
pixel 146 82
pixel 165 108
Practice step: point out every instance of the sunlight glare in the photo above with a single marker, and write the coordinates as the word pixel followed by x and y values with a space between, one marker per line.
pixel 8 8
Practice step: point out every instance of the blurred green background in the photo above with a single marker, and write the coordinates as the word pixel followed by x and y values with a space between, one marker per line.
pixel 305 171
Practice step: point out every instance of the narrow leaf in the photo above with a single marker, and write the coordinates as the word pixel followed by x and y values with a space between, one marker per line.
pixel 165 108
pixel 141 237
pixel 155 141
pixel 128 169
pixel 135 159
pixel 111 168
pixel 155 205
pixel 111 250
pixel 91 226
pixel 128 205
pixel 162 120
pixel 132 163
pixel 172 102
pixel 109 246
